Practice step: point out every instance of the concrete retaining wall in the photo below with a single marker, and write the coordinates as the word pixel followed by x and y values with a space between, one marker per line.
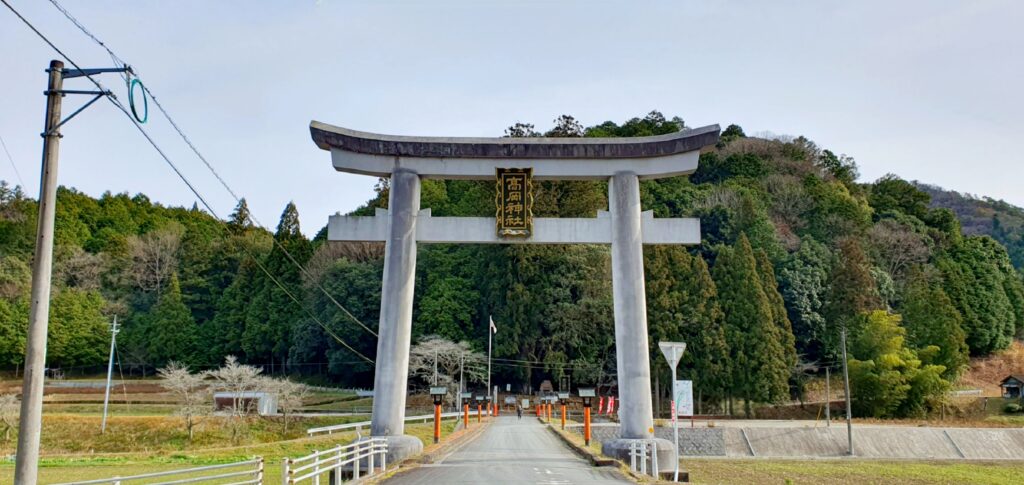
pixel 869 442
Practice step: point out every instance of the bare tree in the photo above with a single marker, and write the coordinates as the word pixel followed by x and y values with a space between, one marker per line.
pixel 290 396
pixel 326 255
pixel 81 269
pixel 450 357
pixel 896 246
pixel 191 391
pixel 9 407
pixel 241 382
pixel 154 256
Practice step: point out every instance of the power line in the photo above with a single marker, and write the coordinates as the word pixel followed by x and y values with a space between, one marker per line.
pixel 223 183
pixel 113 100
pixel 15 167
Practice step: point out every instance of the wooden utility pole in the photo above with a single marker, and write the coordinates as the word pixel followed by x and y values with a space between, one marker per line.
pixel 26 467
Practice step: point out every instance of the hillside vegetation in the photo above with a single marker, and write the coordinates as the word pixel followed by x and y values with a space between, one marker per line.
pixel 794 250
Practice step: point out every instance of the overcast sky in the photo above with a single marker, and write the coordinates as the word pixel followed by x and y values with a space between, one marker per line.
pixel 929 90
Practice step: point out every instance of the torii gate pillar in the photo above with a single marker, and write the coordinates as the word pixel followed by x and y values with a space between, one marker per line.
pixel 623 162
pixel 636 417
pixel 391 375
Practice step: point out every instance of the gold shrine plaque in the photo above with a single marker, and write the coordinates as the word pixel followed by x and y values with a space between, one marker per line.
pixel 514 199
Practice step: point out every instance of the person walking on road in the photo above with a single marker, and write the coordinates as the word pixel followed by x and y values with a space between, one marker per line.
pixel 519 412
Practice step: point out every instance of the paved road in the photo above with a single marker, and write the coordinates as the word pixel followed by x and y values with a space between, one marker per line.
pixel 511 451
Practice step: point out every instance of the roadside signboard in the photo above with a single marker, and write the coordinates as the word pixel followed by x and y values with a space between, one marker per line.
pixel 684 398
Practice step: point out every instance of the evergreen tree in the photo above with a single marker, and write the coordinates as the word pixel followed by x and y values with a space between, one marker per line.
pixel 273 312
pixel 240 219
pixel 78 331
pixel 759 370
pixel 803 281
pixel 706 330
pixel 780 318
pixel 852 293
pixel 931 320
pixel 171 331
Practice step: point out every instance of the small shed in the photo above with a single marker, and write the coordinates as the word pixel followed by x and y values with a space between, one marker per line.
pixel 262 402
pixel 1013 386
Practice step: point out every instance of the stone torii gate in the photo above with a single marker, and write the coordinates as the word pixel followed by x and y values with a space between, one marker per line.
pixel 621 161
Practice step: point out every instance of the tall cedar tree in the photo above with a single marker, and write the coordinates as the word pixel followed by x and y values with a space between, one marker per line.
pixel 171 331
pixel 759 372
pixel 273 311
pixel 706 331
pixel 852 293
pixel 931 319
pixel 779 315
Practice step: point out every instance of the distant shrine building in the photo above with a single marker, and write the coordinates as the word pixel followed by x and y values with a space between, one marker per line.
pixel 513 164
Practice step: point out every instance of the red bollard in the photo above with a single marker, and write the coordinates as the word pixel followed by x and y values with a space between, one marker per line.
pixel 465 415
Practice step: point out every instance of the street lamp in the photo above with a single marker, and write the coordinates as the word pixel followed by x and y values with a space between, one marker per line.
pixel 438 393
pixel 466 398
pixel 588 395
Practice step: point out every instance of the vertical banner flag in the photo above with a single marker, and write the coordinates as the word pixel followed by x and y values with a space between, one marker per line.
pixel 600 405
pixel 684 398
pixel 611 404
pixel 494 328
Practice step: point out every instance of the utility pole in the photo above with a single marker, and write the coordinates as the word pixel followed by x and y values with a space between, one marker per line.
pixel 828 400
pixel 462 371
pixel 846 384
pixel 110 374
pixel 490 333
pixel 26 466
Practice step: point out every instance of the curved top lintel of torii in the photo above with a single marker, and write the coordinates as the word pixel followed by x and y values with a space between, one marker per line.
pixel 477 158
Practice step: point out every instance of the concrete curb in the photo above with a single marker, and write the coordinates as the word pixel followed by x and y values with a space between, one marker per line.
pixel 593 458
pixel 433 453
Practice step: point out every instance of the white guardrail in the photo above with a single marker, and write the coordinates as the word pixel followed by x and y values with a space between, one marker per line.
pixel 242 472
pixel 358 427
pixel 641 451
pixel 334 461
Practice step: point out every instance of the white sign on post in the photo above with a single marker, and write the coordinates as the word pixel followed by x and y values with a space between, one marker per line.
pixel 684 398
pixel 673 351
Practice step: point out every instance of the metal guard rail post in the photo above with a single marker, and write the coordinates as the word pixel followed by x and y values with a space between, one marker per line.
pixel 256 472
pixel 332 461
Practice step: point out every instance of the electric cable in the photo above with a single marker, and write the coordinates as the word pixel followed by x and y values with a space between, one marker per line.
pixel 188 141
pixel 113 100
pixel 15 167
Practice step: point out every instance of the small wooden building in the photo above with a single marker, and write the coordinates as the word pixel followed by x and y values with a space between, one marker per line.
pixel 1013 386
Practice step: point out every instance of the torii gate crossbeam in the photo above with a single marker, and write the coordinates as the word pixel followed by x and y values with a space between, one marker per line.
pixel 621 161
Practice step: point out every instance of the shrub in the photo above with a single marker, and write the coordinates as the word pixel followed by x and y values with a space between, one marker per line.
pixel 1012 408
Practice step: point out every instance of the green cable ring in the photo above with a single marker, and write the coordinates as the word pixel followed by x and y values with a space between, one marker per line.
pixel 145 101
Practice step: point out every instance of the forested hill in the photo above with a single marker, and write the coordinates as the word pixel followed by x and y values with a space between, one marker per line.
pixel 984 215
pixel 794 249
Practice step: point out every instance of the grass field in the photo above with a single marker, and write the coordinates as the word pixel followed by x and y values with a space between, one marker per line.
pixel 56 469
pixel 715 471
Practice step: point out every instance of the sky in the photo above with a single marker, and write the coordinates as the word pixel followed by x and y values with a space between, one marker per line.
pixel 928 90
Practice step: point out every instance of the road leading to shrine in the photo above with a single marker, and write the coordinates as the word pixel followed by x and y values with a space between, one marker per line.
pixel 511 451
